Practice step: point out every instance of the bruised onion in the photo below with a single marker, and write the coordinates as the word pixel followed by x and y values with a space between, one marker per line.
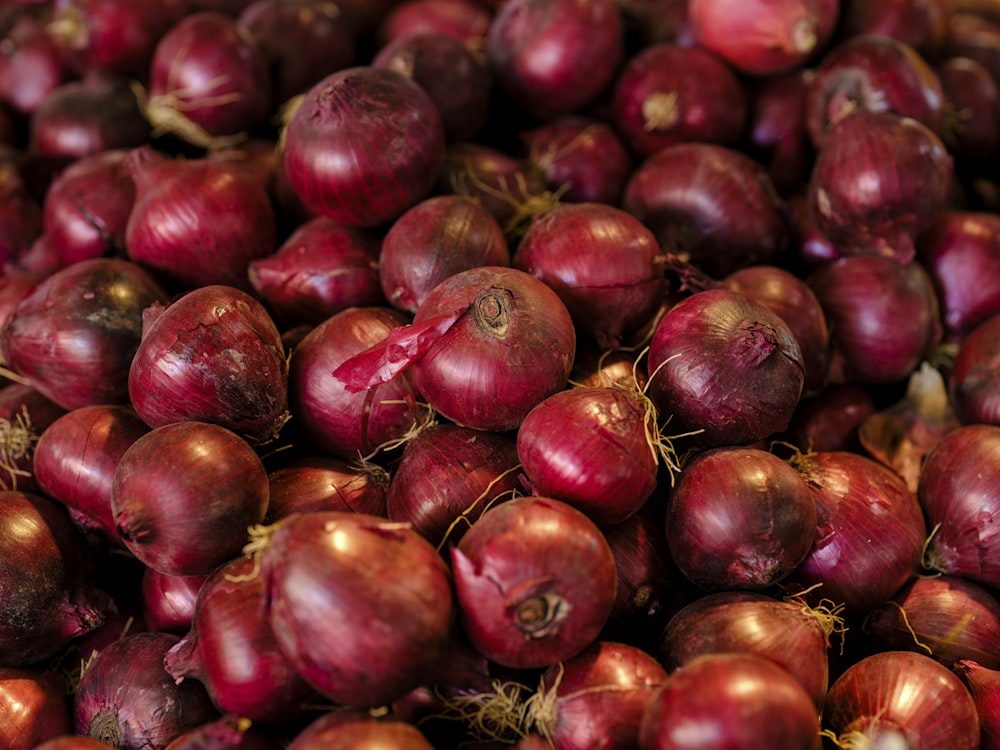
pixel 485 347
pixel 314 483
pixel 448 476
pixel 74 335
pixel 723 366
pixel 364 145
pixel 362 606
pixel 535 581
pixel 125 697
pixel 956 491
pixel 184 494
pixel 900 698
pixel 739 518
pixel 33 707
pixel 212 354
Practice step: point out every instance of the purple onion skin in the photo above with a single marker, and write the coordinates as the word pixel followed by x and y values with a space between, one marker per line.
pixel 975 373
pixel 365 145
pixel 126 699
pixel 168 601
pixel 33 707
pixel 536 582
pixel 957 493
pixel 723 363
pixel 739 518
pixel 720 701
pixel 213 354
pixel 229 732
pixel 75 334
pixel 973 95
pixel 466 20
pixel 360 734
pixel 878 181
pixel 829 421
pixel 311 483
pixel 48 595
pixel 984 685
pixel 362 607
pixel 922 25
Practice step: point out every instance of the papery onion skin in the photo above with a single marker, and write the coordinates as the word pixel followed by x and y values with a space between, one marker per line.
pixel 213 354
pixel 604 264
pixel 957 492
pixel 387 144
pixel 126 698
pixel 74 335
pixel 513 348
pixel 33 707
pixel 313 483
pixel 900 696
pixel 448 476
pixel 535 580
pixel 722 363
pixel 589 447
pixel 76 456
pixel 878 180
pixel 870 530
pixel 184 494
pixel 984 684
pixel 362 607
pixel 739 518
pixel 947 617
pixel 321 269
pixel 718 701
pixel 974 375
pixel 553 57
pixel 333 420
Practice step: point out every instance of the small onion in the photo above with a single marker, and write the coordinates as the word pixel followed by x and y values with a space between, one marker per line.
pixel 310 483
pixel 535 580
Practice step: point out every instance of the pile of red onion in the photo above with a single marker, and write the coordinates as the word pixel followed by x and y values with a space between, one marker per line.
pixel 499 373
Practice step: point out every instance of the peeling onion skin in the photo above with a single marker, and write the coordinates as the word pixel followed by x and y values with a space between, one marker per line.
pixel 723 363
pixel 320 570
pixel 536 582
pixel 900 696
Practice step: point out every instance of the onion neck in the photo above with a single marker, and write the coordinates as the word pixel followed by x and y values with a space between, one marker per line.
pixel 106 728
pixel 757 342
pixel 492 311
pixel 660 111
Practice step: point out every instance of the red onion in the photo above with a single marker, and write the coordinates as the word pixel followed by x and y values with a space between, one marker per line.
pixel 604 264
pixel 321 269
pixel 185 493
pixel 447 477
pixel 301 41
pixel 336 421
pixel 581 158
pixel 873 73
pixel 727 700
pixel 212 354
pixel 111 36
pixel 957 494
pixel 789 633
pixel 76 456
pixel 360 734
pixel 777 128
pixel 87 207
pixel 168 601
pixel 762 37
pixel 592 448
pixel 197 221
pixel 208 81
pixel 25 414
pixel 30 63
pixel 975 35
pixel 739 518
pixel 79 118
pixel 486 346
pixel 433 240
pixel 947 617
pixel 454 77
pixel 972 98
pixel 668 93
pixel 972 384
pixel 901 699
pixel 362 607
pixel 21 216
pixel 961 251
pixel 95 307
pixel 72 742
pixel 593 367
pixel 126 698
pixel 922 25
pixel 226 733
pixel 553 57
pixel 536 582
pixel 465 20
pixel 725 367
pixel 984 684
pixel 711 205
pixel 47 594
pixel 878 180
pixel 883 317
pixel 314 483
pixel 233 652
pixel 869 530
pixel 33 707
pixel 365 144
pixel 829 420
